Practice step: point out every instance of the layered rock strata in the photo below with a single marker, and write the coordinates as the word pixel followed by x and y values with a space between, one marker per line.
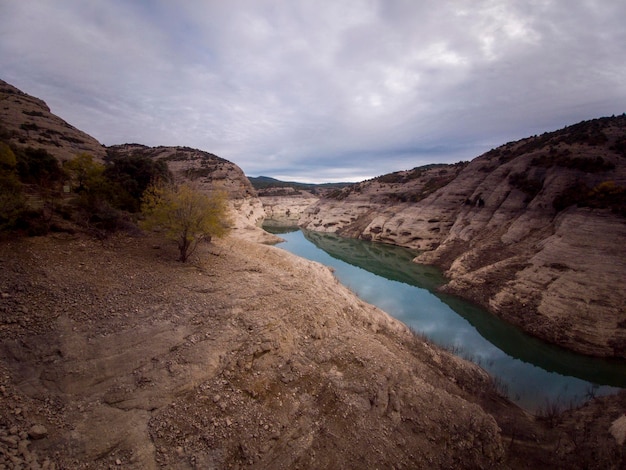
pixel 285 206
pixel 535 230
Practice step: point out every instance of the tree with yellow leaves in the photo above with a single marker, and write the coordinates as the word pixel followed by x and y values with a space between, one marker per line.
pixel 186 215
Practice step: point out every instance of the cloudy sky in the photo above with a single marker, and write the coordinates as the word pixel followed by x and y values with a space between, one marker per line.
pixel 319 90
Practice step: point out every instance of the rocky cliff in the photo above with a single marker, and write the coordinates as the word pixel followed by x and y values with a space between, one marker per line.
pixel 534 230
pixel 27 121
pixel 285 206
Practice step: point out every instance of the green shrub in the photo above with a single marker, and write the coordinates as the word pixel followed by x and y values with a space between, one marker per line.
pixel 130 176
pixel 37 166
pixel 11 197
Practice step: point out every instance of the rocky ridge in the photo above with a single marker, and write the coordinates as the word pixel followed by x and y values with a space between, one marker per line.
pixel 27 121
pixel 533 230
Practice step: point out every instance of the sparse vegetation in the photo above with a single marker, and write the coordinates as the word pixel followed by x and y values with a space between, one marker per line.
pixel 99 197
pixel 563 159
pixel 11 198
pixel 527 184
pixel 132 175
pixel 185 215
pixel 606 195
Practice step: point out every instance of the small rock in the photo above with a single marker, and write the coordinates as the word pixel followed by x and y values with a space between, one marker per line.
pixel 37 432
pixel 618 429
pixel 118 462
pixel 10 440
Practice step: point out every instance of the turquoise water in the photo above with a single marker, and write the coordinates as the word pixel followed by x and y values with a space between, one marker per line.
pixel 531 372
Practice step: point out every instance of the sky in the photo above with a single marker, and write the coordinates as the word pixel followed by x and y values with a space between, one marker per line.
pixel 319 90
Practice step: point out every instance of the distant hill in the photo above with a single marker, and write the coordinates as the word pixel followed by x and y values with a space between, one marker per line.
pixel 264 183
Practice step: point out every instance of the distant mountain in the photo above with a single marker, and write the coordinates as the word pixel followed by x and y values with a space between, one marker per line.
pixel 263 183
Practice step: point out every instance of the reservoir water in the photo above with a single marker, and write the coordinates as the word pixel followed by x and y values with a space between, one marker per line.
pixel 532 373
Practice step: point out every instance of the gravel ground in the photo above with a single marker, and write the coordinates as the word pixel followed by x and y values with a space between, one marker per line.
pixel 114 355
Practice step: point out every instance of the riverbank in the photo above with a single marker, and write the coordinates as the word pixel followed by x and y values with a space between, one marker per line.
pixel 246 357
pixel 532 372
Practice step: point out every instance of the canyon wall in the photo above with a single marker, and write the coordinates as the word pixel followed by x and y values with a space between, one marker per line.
pixel 534 230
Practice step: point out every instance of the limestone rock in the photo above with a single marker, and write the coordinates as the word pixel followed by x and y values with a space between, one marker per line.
pixel 286 209
pixel 210 173
pixel 37 432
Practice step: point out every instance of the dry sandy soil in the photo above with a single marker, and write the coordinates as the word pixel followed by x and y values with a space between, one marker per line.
pixel 114 355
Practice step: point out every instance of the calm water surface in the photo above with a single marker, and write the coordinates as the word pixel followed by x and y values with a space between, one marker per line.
pixel 531 372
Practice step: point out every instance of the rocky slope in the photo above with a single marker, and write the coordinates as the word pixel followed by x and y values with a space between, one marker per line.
pixel 249 357
pixel 209 173
pixel 27 121
pixel 534 230
pixel 114 355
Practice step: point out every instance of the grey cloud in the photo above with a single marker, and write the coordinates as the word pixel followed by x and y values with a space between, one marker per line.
pixel 319 90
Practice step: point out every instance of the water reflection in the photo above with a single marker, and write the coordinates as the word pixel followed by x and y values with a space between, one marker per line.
pixel 533 372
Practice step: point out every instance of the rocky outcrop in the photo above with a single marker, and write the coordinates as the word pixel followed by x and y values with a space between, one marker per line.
pixel 27 121
pixel 285 206
pixel 209 173
pixel 376 209
pixel 534 230
pixel 206 171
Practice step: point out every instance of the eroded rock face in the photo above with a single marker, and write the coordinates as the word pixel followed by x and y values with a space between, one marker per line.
pixel 382 209
pixel 285 206
pixel 27 121
pixel 508 232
